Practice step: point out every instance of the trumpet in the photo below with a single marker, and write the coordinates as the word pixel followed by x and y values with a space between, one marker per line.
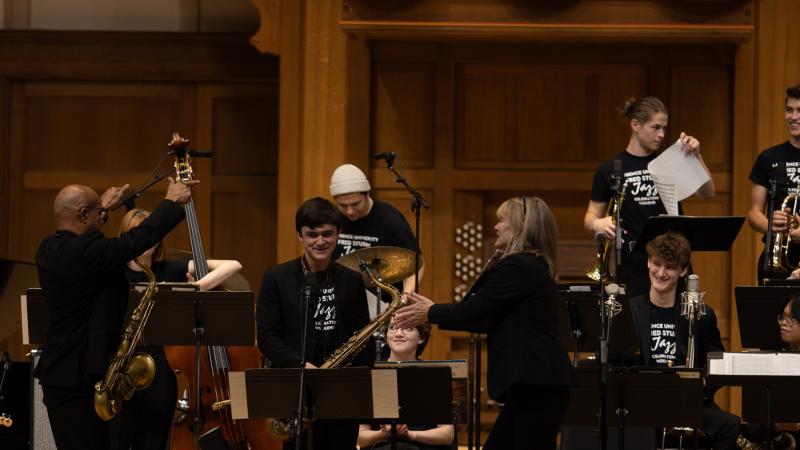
pixel 786 254
pixel 600 268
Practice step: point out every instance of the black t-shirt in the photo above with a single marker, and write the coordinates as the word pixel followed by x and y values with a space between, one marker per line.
pixel 782 162
pixel 384 225
pixel 663 341
pixel 173 271
pixel 325 321
pixel 641 198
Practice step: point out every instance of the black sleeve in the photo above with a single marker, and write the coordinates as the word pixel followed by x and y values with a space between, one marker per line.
pixel 104 256
pixel 759 174
pixel 601 185
pixel 270 326
pixel 175 270
pixel 502 290
pixel 712 339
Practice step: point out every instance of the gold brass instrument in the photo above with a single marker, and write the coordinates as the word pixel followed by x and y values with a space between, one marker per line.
pixel 600 268
pixel 788 440
pixel 785 253
pixel 285 429
pixel 128 372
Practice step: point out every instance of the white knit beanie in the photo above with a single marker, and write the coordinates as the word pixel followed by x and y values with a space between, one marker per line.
pixel 347 179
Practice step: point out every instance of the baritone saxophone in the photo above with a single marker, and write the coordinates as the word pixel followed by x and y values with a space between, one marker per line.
pixel 128 371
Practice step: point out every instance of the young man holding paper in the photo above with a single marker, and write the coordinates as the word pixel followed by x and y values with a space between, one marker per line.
pixel 648 122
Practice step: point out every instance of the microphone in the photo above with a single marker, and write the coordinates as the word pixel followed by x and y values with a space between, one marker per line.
pixel 692 305
pixel 612 306
pixel 388 156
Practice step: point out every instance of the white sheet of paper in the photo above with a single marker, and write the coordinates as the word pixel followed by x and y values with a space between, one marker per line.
pixel 665 185
pixel 684 169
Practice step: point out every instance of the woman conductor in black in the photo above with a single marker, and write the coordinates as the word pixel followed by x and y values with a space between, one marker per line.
pixel 528 370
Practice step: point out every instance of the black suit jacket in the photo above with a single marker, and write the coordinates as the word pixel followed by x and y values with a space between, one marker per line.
pixel 279 318
pixel 84 286
pixel 707 334
pixel 516 307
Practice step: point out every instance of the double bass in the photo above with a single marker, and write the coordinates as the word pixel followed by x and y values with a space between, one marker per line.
pixel 215 362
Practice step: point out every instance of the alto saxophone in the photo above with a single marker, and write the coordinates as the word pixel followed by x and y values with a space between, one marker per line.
pixel 285 429
pixel 600 268
pixel 128 372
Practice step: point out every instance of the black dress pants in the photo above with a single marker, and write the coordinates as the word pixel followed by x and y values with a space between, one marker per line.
pixel 329 435
pixel 530 418
pixel 145 420
pixel 74 423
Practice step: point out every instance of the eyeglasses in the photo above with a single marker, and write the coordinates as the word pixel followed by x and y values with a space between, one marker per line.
pixel 786 318
pixel 103 212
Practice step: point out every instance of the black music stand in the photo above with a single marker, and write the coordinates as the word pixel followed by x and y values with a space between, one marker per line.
pixel 399 395
pixel 758 308
pixel 632 392
pixel 577 316
pixel 705 233
pixel 758 402
pixel 182 315
pixel 179 307
pixel 36 319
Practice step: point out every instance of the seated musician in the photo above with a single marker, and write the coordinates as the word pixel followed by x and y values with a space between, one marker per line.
pixel 337 309
pixel 784 434
pixel 407 345
pixel 663 333
pixel 145 421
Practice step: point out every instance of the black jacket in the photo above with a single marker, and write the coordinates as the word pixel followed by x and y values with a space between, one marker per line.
pixel 516 307
pixel 84 286
pixel 707 334
pixel 278 315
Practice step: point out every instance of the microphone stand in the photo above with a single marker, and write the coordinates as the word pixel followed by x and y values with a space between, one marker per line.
pixel 305 300
pixel 130 199
pixel 417 203
pixel 603 354
pixel 768 235
pixel 617 188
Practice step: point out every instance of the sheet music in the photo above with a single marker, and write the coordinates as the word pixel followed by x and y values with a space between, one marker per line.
pixel 682 171
pixel 756 363
pixel 665 185
pixel 752 363
pixel 788 364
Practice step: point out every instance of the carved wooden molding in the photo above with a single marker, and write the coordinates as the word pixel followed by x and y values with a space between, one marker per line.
pixel 267 38
pixel 652 20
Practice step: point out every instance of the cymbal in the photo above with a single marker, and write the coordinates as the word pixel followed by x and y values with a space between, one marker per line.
pixel 389 264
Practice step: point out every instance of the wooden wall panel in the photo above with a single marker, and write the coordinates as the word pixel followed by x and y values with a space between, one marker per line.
pixel 103 121
pixel 404 113
pixel 239 123
pixel 700 97
pixel 246 129
pixel 100 134
pixel 244 229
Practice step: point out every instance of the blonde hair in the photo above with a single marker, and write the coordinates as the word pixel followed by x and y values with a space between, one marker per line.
pixel 534 228
pixel 132 219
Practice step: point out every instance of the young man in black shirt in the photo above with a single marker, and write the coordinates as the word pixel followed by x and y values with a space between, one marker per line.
pixel 662 332
pixel 368 222
pixel 781 162
pixel 337 309
pixel 648 122
pixel 82 274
